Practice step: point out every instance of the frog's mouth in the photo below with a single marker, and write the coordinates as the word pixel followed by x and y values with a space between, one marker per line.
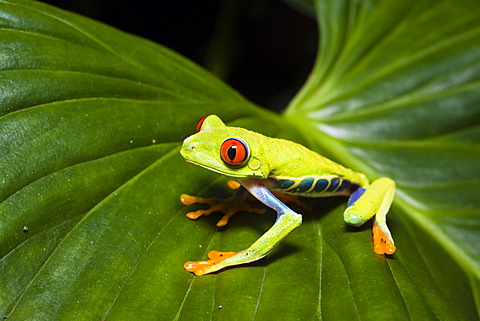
pixel 219 171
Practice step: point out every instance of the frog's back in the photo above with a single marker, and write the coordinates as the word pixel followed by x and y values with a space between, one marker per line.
pixel 295 169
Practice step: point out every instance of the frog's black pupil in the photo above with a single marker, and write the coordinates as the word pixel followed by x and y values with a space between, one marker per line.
pixel 232 152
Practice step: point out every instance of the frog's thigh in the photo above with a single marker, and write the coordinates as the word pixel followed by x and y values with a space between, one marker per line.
pixel 376 199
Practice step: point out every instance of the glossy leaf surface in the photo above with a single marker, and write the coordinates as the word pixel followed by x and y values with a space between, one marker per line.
pixel 397 95
pixel 91 121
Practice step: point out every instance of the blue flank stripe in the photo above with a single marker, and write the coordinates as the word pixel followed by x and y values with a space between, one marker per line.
pixel 303 186
pixel 320 186
pixel 316 185
pixel 284 183
pixel 334 182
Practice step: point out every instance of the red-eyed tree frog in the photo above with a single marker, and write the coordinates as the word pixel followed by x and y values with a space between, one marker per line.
pixel 263 165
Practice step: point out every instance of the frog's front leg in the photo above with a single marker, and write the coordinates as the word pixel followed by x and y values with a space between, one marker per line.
pixel 374 200
pixel 287 221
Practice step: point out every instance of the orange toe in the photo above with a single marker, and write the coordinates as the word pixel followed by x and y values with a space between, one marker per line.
pixel 187 199
pixel 213 255
pixel 197 267
pixel 381 243
pixel 233 185
pixel 196 214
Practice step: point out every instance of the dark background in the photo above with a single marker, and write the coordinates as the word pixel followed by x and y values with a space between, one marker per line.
pixel 263 48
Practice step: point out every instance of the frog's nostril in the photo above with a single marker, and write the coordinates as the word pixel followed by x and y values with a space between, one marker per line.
pixel 189 147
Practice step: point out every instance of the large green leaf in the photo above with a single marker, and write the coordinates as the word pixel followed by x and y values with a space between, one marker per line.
pixel 90 127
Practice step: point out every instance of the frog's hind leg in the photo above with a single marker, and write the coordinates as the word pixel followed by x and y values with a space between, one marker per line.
pixel 373 201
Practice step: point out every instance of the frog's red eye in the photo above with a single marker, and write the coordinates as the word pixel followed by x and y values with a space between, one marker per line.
pixel 234 151
pixel 199 124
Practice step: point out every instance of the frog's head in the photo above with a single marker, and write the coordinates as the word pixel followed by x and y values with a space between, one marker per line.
pixel 231 151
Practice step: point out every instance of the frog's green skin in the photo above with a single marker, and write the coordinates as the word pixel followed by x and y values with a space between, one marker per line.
pixel 280 165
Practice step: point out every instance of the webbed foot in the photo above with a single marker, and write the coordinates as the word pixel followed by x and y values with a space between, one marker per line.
pixel 229 207
pixel 382 243
pixel 202 267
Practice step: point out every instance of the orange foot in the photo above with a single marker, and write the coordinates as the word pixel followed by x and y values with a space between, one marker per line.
pixel 200 267
pixel 381 243
pixel 229 207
